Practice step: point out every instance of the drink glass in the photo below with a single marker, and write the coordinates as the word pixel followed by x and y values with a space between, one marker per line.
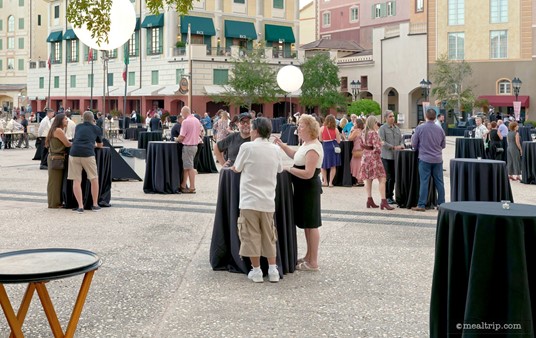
pixel 471 134
pixel 505 204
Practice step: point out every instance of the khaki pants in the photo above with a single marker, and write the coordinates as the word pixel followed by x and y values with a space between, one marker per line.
pixel 257 234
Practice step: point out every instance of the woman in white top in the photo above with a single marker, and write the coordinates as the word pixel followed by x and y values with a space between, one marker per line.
pixel 307 187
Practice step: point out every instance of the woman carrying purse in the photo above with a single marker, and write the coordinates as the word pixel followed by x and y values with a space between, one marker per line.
pixel 56 142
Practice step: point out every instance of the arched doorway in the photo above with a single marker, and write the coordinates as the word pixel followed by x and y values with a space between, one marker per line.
pixel 392 99
pixel 213 107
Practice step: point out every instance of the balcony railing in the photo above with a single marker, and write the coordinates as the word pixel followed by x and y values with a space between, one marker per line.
pixel 418 28
pixel 278 54
pixel 179 51
pixel 392 31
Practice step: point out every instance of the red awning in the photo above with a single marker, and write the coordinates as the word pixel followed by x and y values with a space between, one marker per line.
pixel 505 100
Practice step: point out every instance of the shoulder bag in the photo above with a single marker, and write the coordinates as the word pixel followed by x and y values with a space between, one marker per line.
pixel 336 148
pixel 56 161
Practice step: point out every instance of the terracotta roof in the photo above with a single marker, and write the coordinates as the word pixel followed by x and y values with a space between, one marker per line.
pixel 341 45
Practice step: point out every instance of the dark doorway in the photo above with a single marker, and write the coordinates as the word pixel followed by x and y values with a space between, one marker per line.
pixel 213 107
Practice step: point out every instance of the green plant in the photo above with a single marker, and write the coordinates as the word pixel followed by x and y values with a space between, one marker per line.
pixel 115 112
pixel 365 106
pixel 180 44
pixel 531 122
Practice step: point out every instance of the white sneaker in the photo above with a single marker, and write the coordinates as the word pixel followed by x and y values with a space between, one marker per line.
pixel 273 276
pixel 256 276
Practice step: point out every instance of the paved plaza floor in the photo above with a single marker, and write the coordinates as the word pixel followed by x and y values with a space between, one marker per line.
pixel 156 281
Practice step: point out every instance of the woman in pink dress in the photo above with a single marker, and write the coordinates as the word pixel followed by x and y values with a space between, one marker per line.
pixel 371 163
pixel 355 162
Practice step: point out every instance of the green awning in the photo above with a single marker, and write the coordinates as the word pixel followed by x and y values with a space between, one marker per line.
pixel 275 33
pixel 55 36
pixel 138 23
pixel 240 30
pixel 199 25
pixel 151 21
pixel 69 35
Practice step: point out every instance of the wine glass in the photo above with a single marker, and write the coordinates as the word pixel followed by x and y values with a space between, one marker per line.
pixel 470 133
pixel 533 136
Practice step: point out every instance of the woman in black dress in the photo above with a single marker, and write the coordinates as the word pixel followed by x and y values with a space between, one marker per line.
pixel 495 143
pixel 307 187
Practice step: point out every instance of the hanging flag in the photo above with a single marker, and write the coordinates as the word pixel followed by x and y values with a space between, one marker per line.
pixel 90 55
pixel 126 60
pixel 48 62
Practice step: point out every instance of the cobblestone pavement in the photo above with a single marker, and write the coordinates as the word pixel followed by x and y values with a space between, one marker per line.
pixel 156 281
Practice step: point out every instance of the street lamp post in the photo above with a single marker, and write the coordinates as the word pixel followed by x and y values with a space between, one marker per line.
pixel 425 86
pixel 516 83
pixel 355 86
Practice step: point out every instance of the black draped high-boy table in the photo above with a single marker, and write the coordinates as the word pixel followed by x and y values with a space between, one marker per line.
pixel 37 267
pixel 204 160
pixel 132 133
pixel 407 181
pixel 163 168
pixel 484 270
pixel 225 243
pixel 147 136
pixel 103 157
pixel 467 147
pixel 528 163
pixel 343 175
pixel 479 180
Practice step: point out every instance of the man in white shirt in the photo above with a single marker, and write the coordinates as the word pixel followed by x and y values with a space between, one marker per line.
pixel 259 161
pixel 71 126
pixel 42 132
pixel 480 130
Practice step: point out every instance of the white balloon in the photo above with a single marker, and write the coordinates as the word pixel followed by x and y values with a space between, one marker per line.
pixel 290 78
pixel 122 25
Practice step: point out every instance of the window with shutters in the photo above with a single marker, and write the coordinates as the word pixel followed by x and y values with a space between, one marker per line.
pixel 21 23
pixel 326 19
pixel 11 23
pixel 131 79
pixel 57 12
pixel 279 4
pixel 21 43
pixel 221 76
pixel 154 77
pixel 21 64
pixel 56 82
pixel 73 81
pixel 154 41
pixel 354 14
pixel 134 44
pixel 179 72
pixel 391 8
pixel 90 80
pixel 41 82
pixel 110 79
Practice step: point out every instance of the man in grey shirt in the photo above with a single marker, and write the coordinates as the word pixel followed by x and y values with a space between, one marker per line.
pixel 391 140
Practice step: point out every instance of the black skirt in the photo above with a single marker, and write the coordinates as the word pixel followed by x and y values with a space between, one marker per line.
pixel 307 201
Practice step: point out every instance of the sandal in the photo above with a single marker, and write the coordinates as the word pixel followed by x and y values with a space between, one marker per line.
pixel 300 260
pixel 187 191
pixel 304 266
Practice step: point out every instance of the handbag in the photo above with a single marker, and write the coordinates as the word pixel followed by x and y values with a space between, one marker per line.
pixel 56 161
pixel 358 153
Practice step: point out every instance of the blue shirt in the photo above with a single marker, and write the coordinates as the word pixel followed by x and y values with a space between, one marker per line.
pixel 85 136
pixel 503 129
pixel 429 141
pixel 207 122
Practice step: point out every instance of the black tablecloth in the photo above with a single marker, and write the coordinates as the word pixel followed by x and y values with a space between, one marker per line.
pixel 479 180
pixel 470 148
pixel 484 270
pixel 103 157
pixel 204 160
pixel 132 133
pixel 277 123
pixel 145 137
pixel 407 181
pixel 39 143
pixel 343 176
pixel 456 131
pixel 524 134
pixel 225 244
pixel 163 168
pixel 292 139
pixel 528 163
pixel 127 123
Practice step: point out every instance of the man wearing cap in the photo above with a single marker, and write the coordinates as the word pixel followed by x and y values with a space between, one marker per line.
pixel 191 130
pixel 42 132
pixel 227 149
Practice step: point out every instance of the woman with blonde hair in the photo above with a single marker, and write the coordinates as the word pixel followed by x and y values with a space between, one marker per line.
pixel 371 163
pixel 221 128
pixel 330 137
pixel 307 187
pixel 56 141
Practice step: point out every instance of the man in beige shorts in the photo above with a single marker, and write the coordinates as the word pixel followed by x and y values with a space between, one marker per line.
pixel 87 136
pixel 259 161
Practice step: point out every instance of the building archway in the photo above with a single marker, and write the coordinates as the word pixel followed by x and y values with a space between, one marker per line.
pixel 213 107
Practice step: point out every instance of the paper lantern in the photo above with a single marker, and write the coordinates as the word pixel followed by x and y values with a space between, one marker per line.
pixel 290 78
pixel 122 25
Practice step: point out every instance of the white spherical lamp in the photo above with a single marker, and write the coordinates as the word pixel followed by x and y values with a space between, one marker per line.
pixel 122 25
pixel 290 78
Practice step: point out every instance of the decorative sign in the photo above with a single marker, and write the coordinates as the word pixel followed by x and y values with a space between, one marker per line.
pixel 517 109
pixel 243 36
pixel 183 86
pixel 200 32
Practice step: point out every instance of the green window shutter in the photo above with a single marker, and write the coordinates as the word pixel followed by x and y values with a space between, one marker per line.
pixel 373 11
pixel 179 72
pixel 393 6
pixel 154 77
pixel 208 42
pixel 56 82
pixel 21 23
pixel 110 79
pixel 21 3
pixel 383 10
pixel 1 65
pixel 148 41
pixel 21 64
pixel 239 1
pixel 1 21
pixel 41 82
pixel 90 80
pixel 1 44
pixel 1 3
pixel 131 79
pixel 73 81
pixel 21 43
pixel 221 76
pixel 280 4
